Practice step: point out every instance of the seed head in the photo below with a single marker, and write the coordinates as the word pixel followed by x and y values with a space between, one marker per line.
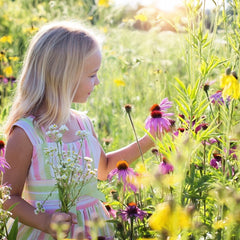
pixel 128 108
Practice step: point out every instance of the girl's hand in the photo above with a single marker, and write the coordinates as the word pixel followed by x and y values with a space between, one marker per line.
pixel 60 224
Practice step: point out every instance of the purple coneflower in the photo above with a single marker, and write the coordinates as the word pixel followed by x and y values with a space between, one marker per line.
pixel 158 121
pixel 165 167
pixel 165 104
pixel 217 98
pixel 111 211
pixel 123 172
pixel 203 126
pixel 3 163
pixel 132 212
pixel 2 148
pixel 216 161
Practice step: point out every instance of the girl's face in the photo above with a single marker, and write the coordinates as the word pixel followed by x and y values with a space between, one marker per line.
pixel 89 77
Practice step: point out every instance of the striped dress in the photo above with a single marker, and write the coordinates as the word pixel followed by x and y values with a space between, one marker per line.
pixel 40 183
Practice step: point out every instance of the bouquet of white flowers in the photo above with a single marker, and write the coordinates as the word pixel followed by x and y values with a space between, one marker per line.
pixel 70 175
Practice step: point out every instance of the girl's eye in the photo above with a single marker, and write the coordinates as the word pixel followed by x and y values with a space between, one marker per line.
pixel 93 76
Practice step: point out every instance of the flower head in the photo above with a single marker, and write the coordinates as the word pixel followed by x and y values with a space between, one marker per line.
pixel 229 83
pixel 165 104
pixel 216 160
pixel 165 167
pixel 170 219
pixel 124 173
pixel 132 212
pixel 217 98
pixel 2 148
pixel 128 108
pixel 158 120
pixel 110 210
pixel 3 164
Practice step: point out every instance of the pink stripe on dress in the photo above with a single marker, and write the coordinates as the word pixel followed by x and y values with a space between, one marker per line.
pixel 35 164
pixel 87 229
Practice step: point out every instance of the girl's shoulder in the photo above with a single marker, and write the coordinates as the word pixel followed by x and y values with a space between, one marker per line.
pixel 27 125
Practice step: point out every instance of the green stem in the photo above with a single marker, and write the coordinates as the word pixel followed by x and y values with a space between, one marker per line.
pixel 131 229
pixel 140 150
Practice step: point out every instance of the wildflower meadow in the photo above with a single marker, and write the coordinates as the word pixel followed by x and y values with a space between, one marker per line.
pixel 172 71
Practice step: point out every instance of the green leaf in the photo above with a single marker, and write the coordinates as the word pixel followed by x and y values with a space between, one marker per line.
pixel 14 230
pixel 182 85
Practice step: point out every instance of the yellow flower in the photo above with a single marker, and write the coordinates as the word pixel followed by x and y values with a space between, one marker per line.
pixel 90 18
pixel 104 29
pixel 103 3
pixel 31 30
pixel 171 179
pixel 230 87
pixel 8 71
pixel 140 168
pixel 169 218
pixel 3 57
pixel 147 238
pixel 119 82
pixel 221 223
pixel 6 39
pixel 141 17
pixel 14 58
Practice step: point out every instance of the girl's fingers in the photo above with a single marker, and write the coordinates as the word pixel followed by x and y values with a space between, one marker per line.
pixel 73 217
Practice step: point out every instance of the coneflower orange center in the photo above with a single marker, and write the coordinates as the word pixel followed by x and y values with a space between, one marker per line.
pixel 2 144
pixel 217 156
pixel 132 204
pixel 122 165
pixel 155 107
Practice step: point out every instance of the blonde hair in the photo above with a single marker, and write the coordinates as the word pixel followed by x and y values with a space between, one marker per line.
pixel 51 73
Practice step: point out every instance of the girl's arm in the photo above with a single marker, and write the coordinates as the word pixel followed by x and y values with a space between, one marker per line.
pixel 129 153
pixel 18 154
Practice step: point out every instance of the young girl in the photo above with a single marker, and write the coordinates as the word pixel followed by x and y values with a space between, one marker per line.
pixel 60 68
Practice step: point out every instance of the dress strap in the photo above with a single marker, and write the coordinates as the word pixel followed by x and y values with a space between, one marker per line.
pixel 33 134
pixel 84 122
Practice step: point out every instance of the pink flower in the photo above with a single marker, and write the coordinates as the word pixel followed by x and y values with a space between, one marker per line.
pixel 123 172
pixel 111 211
pixel 3 163
pixel 165 167
pixel 158 119
pixel 216 161
pixel 165 104
pixel 2 148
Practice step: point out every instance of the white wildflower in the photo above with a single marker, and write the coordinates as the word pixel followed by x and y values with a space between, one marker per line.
pixel 89 166
pixel 59 136
pixel 64 176
pixel 36 211
pixel 82 133
pixel 63 128
pixel 53 127
pixel 88 159
pixel 49 133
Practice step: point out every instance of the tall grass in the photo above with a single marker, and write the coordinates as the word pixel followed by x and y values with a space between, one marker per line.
pixel 141 68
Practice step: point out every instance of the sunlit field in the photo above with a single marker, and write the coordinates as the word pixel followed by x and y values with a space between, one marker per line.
pixel 187 187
